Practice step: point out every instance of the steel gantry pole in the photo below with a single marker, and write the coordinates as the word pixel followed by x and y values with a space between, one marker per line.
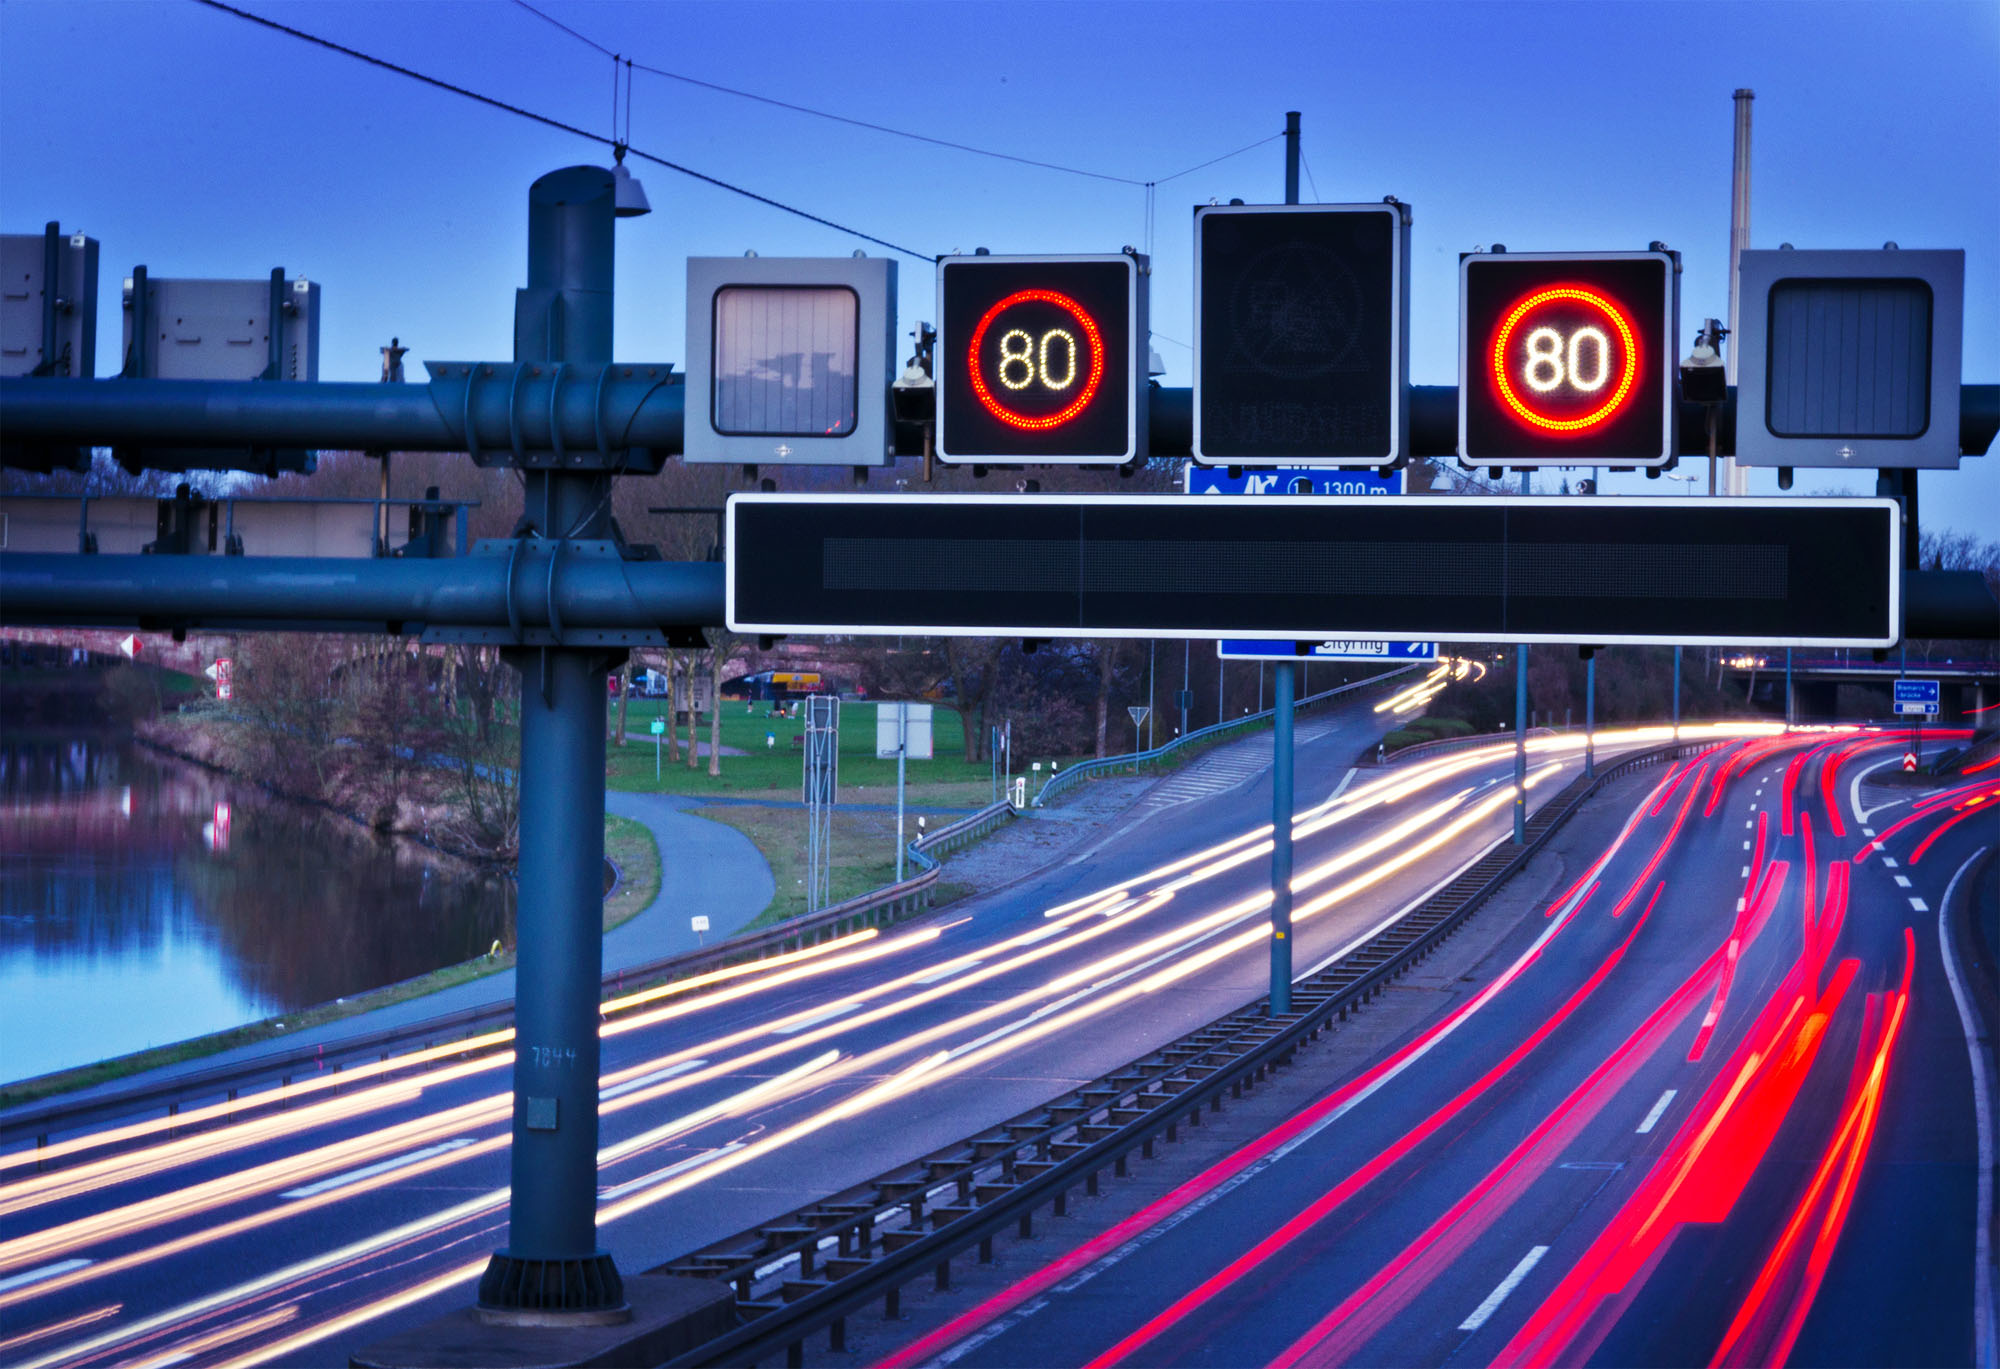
pixel 1520 746
pixel 1590 714
pixel 1677 692
pixel 1281 848
pixel 1281 738
pixel 552 1265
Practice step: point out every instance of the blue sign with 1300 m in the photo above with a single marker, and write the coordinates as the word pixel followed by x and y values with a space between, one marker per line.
pixel 1306 480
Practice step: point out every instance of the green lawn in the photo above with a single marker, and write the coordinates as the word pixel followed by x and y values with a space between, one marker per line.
pixel 774 766
pixel 863 855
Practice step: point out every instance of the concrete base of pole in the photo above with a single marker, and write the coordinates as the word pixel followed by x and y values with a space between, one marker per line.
pixel 669 1316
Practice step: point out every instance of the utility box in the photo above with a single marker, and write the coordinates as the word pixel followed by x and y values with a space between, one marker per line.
pixel 1850 360
pixel 221 329
pixel 789 360
pixel 48 304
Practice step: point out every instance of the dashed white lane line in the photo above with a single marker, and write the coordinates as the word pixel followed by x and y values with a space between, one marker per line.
pixel 837 1010
pixel 660 1176
pixel 1507 1285
pixel 1868 831
pixel 1746 872
pixel 47 1271
pixel 355 1176
pixel 949 971
pixel 1659 1111
pixel 656 1077
pixel 1748 823
pixel 1901 882
pixel 1920 905
pixel 1888 862
pixel 1746 845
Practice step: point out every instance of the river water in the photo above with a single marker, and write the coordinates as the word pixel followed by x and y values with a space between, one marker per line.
pixel 144 900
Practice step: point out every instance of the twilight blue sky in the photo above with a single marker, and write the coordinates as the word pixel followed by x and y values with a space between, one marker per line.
pixel 200 145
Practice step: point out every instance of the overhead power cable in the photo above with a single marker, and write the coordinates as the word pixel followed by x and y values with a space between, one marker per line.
pixel 548 18
pixel 880 128
pixel 559 125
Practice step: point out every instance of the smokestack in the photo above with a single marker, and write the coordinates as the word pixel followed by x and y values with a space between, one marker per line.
pixel 1738 481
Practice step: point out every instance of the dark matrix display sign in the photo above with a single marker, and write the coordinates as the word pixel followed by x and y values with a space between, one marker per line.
pixel 1301 352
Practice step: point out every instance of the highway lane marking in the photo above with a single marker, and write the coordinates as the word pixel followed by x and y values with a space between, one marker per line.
pixel 1980 1049
pixel 1043 935
pixel 1001 1325
pixel 1746 872
pixel 1888 862
pixel 1920 905
pixel 1345 780
pixel 1901 882
pixel 355 1176
pixel 47 1271
pixel 1746 845
pixel 1854 792
pixel 657 1076
pixel 1659 1111
pixel 837 1010
pixel 1486 1309
pixel 1748 823
pixel 659 1176
pixel 1868 831
pixel 949 971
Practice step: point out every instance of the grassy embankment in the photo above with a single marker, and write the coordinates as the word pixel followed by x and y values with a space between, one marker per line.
pixel 770 774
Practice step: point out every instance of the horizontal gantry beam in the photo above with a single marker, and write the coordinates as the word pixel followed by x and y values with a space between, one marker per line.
pixel 576 413
pixel 523 593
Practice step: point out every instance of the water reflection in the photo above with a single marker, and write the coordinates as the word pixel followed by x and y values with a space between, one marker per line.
pixel 144 900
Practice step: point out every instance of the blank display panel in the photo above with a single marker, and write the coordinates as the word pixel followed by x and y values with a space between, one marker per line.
pixel 1600 571
pixel 1849 358
pixel 785 360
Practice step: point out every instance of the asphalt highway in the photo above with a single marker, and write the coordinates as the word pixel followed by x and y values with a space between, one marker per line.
pixel 1726 1100
pixel 367 1205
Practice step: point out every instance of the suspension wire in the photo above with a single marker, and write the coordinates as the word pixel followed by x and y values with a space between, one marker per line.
pixel 1250 147
pixel 1309 174
pixel 883 128
pixel 548 122
pixel 551 19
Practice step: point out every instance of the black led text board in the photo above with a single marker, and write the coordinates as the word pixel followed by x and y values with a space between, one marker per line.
pixel 1801 572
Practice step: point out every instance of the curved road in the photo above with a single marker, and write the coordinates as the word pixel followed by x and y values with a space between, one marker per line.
pixel 247 1233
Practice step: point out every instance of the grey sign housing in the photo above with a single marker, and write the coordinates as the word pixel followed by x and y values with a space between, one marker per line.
pixel 1850 359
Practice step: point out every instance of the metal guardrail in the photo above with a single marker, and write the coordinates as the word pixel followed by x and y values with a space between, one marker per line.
pixel 1057 783
pixel 275 1071
pixel 810 1269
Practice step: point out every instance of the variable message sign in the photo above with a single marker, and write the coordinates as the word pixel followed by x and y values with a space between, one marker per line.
pixel 1567 359
pixel 1042 359
pixel 1798 572
pixel 1850 360
pixel 1302 334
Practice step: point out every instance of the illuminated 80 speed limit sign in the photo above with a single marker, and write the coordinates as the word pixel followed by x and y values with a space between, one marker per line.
pixel 1041 360
pixel 1567 359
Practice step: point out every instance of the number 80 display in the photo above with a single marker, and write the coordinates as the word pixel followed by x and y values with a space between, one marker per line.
pixel 1568 359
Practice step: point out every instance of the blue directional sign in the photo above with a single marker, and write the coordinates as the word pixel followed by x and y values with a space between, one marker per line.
pixel 1306 480
pixel 1916 696
pixel 1289 480
pixel 1327 651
